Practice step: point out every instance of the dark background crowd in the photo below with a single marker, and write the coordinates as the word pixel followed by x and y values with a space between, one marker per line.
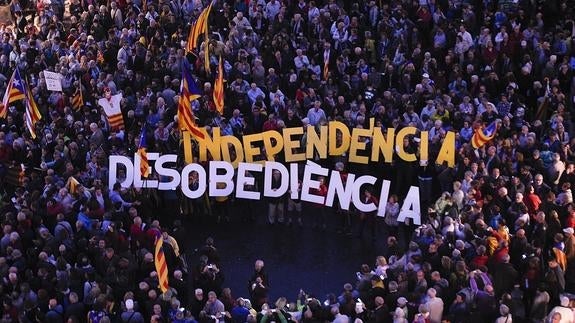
pixel 497 244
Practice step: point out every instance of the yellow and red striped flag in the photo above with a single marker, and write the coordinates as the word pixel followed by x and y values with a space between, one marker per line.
pixel 325 70
pixel 199 27
pixel 218 93
pixel 143 153
pixel 32 113
pixel 100 57
pixel 161 265
pixel 189 92
pixel 78 99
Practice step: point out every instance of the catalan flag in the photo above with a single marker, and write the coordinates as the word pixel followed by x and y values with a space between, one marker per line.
pixel 207 54
pixel 142 152
pixel 16 90
pixel 484 135
pixel 199 27
pixel 325 70
pixel 218 93
pixel 189 92
pixel 100 57
pixel 161 265
pixel 72 184
pixel 32 113
pixel 78 99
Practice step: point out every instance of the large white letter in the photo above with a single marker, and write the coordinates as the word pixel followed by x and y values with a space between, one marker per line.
pixel 226 178
pixel 308 183
pixel 147 183
pixel 167 172
pixel 383 197
pixel 113 173
pixel 294 180
pixel 411 208
pixel 268 178
pixel 243 180
pixel 336 187
pixel 356 195
pixel 186 181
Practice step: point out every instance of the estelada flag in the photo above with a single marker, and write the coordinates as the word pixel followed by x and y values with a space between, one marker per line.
pixel 484 135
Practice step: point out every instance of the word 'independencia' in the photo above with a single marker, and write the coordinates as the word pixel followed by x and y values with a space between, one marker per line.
pixel 333 139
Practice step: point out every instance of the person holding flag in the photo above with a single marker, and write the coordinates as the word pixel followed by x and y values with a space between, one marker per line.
pixel 484 135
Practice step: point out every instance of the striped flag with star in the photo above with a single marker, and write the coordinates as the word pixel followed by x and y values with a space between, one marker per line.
pixel 189 92
pixel 484 135
pixel 161 265
pixel 16 90
pixel 143 153
pixel 218 93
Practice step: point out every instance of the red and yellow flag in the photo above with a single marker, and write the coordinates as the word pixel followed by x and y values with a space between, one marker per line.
pixel 161 265
pixel 78 99
pixel 199 27
pixel 218 93
pixel 32 114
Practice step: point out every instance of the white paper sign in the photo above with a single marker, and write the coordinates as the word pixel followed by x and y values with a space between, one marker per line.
pixel 53 81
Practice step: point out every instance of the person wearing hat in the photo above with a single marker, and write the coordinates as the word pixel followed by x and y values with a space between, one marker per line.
pixel 130 315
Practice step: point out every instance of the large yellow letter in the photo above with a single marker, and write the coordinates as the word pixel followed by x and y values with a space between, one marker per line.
pixel 336 127
pixel 227 143
pixel 211 145
pixel 188 154
pixel 272 149
pixel 357 145
pixel 424 146
pixel 383 145
pixel 291 145
pixel 251 151
pixel 315 142
pixel 408 157
pixel 447 151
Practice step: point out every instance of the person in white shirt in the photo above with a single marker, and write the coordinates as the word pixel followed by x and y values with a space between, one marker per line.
pixel 254 92
pixel 564 310
pixel 428 109
pixel 301 61
pixel 435 306
pixel 465 36
pixel 272 9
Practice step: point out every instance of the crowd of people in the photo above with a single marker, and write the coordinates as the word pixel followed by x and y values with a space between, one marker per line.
pixel 497 244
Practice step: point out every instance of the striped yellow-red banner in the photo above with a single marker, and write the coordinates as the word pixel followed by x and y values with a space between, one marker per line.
pixel 116 121
pixel 198 28
pixel 218 93
pixel 161 265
